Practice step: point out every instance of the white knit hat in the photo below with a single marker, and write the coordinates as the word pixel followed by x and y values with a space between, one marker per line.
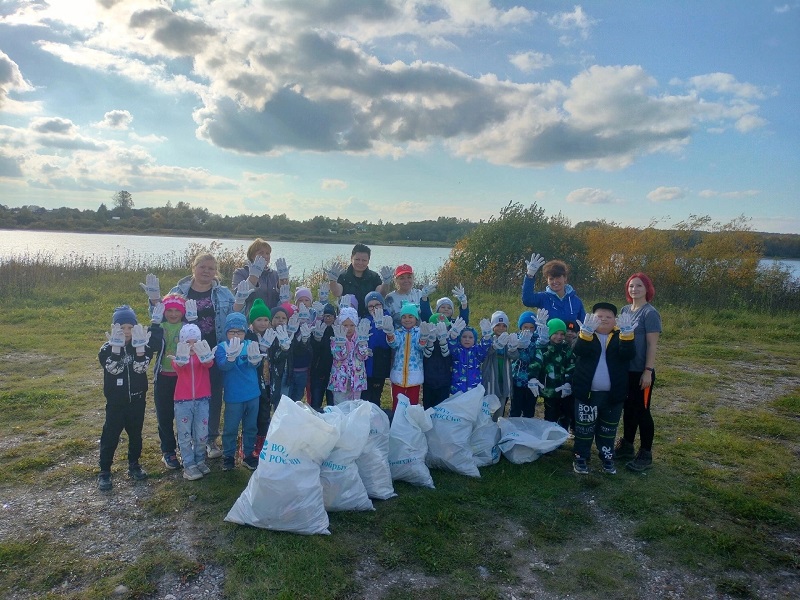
pixel 498 317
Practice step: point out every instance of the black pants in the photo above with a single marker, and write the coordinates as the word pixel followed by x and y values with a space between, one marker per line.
pixel 164 395
pixel 523 404
pixel 264 408
pixel 215 403
pixel 374 390
pixel 122 415
pixel 433 395
pixel 637 412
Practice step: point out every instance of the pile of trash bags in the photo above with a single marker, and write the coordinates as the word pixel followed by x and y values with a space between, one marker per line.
pixel 344 458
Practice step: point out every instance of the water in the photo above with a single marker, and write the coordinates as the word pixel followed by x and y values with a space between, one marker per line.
pixel 303 257
pixel 792 265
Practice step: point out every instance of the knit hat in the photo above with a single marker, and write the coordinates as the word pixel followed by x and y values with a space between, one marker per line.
pixel 330 309
pixel 259 309
pixel 605 305
pixel 470 330
pixel 372 296
pixel 409 308
pixel 190 331
pixel 442 301
pixel 556 325
pixel 348 313
pixel 289 308
pixel 303 292
pixel 436 317
pixel 175 301
pixel 499 317
pixel 402 270
pixel 124 315
pixel 235 320
pixel 526 317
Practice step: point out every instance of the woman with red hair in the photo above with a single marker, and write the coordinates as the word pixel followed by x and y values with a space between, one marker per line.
pixel 639 291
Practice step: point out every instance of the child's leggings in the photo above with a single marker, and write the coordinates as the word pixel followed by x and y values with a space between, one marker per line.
pixel 596 418
pixel 637 412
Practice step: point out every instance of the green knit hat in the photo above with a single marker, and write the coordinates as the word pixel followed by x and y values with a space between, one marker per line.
pixel 436 317
pixel 555 325
pixel 259 309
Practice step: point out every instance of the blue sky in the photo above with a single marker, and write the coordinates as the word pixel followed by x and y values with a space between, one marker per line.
pixel 633 112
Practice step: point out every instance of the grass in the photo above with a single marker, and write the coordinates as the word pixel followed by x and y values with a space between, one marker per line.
pixel 719 505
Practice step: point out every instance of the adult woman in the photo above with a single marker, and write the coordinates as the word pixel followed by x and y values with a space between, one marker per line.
pixel 214 303
pixel 559 298
pixel 358 279
pixel 260 275
pixel 639 291
pixel 405 292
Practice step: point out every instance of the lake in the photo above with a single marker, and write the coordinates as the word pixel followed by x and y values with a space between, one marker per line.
pixel 301 256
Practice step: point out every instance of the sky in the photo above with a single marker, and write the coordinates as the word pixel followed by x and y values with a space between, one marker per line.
pixel 632 112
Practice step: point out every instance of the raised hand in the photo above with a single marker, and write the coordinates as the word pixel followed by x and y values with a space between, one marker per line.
pixel 339 336
pixel 233 349
pixel 460 295
pixel 534 264
pixel 363 328
pixel 284 293
pixel 318 307
pixel 501 341
pixel 387 274
pixel 116 338
pixel 625 323
pixel 265 340
pixel 257 267
pixel 513 342
pixel 282 268
pixel 151 287
pixel 542 316
pixel 441 331
pixel 324 291
pixel 243 291
pixel 139 338
pixel 158 314
pixel 428 289
pixel 182 354
pixel 525 338
pixel 283 337
pixel 377 318
pixel 427 333
pixel 565 389
pixel 305 332
pixel 303 313
pixel 590 323
pixel 486 327
pixel 319 330
pixel 191 310
pixel 293 324
pixel 334 270
pixel 458 326
pixel 203 351
pixel 542 334
pixel 253 353
pixel 387 325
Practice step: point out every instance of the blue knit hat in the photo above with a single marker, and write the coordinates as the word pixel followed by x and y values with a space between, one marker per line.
pixel 526 317
pixel 124 315
pixel 235 320
pixel 374 296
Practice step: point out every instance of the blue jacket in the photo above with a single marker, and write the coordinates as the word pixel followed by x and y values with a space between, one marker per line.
pixel 221 297
pixel 239 377
pixel 568 308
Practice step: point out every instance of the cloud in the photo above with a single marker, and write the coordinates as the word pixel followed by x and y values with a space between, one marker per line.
pixel 175 32
pixel 734 194
pixel 11 79
pixel 725 83
pixel 784 8
pixel 333 184
pixel 530 61
pixel 575 20
pixel 53 125
pixel 666 194
pixel 9 166
pixel 591 196
pixel 116 119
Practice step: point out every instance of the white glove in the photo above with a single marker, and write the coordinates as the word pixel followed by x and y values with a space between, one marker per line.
pixel 284 293
pixel 542 317
pixel 535 386
pixel 333 271
pixel 565 390
pixel 191 310
pixel 318 307
pixel 460 295
pixel 387 325
pixel 387 274
pixel 158 314
pixel 139 338
pixel 625 323
pixel 542 334
pixel 303 313
pixel 428 289
pixel 363 330
pixel 253 353
pixel 344 301
pixel 243 291
pixel 293 325
pixel 590 323
pixel 525 338
pixel 377 317
pixel 486 327
pixel 501 341
pixel 116 338
pixel 339 336
pixel 283 337
pixel 203 351
pixel 441 331
pixel 427 333
pixel 233 349
pixel 324 291
pixel 151 287
pixel 182 354
pixel 319 330
pixel 265 340
pixel 305 332
pixel 534 264
pixel 257 267
pixel 513 342
pixel 458 326
pixel 282 268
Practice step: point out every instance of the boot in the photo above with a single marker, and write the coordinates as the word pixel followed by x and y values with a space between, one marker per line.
pixel 642 462
pixel 260 439
pixel 623 449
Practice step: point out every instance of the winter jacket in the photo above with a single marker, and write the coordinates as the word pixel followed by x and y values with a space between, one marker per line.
pixel 407 368
pixel 380 361
pixel 568 308
pixel 125 374
pixel 496 371
pixel 321 356
pixel 221 297
pixel 239 377
pixel 619 351
pixel 348 373
pixel 553 366
pixel 437 365
pixel 466 364
pixel 194 380
pixel 281 361
pixel 520 366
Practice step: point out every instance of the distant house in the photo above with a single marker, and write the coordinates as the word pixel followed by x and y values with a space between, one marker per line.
pixel 333 231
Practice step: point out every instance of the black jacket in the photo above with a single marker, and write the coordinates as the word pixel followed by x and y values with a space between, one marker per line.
pixel 619 351
pixel 125 374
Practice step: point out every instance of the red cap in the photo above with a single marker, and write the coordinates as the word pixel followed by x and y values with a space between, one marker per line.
pixel 402 270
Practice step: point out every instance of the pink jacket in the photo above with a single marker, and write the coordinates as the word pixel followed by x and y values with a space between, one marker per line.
pixel 348 373
pixel 194 380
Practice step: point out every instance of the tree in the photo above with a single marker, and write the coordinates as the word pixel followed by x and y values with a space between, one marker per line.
pixel 122 200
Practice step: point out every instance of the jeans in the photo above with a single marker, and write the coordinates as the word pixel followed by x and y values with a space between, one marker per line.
pixel 320 391
pixel 295 384
pixel 191 417
pixel 164 394
pixel 245 413
pixel 596 418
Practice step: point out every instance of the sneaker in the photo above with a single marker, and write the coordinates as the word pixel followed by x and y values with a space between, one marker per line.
pixel 609 467
pixel 623 449
pixel 203 468
pixel 250 462
pixel 104 481
pixel 171 461
pixel 213 450
pixel 228 463
pixel 580 466
pixel 192 473
pixel 135 471
pixel 642 462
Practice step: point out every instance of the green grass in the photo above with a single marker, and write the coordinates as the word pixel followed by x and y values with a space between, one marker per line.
pixel 719 504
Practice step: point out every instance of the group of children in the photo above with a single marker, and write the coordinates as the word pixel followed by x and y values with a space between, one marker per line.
pixel 324 351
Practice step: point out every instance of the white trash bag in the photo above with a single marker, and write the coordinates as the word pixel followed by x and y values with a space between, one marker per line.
pixel 486 434
pixel 284 493
pixel 407 443
pixel 525 439
pixel 449 439
pixel 342 488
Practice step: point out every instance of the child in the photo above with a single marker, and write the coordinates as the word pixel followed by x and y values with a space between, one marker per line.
pixel 192 362
pixel 523 400
pixel 282 354
pixel 238 360
pixel 444 306
pixel 496 369
pixel 468 355
pixel 600 383
pixel 437 363
pixel 551 375
pixel 406 374
pixel 124 359
pixel 169 315
pixel 299 329
pixel 321 358
pixel 349 349
pixel 559 298
pixel 259 317
pixel 379 363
